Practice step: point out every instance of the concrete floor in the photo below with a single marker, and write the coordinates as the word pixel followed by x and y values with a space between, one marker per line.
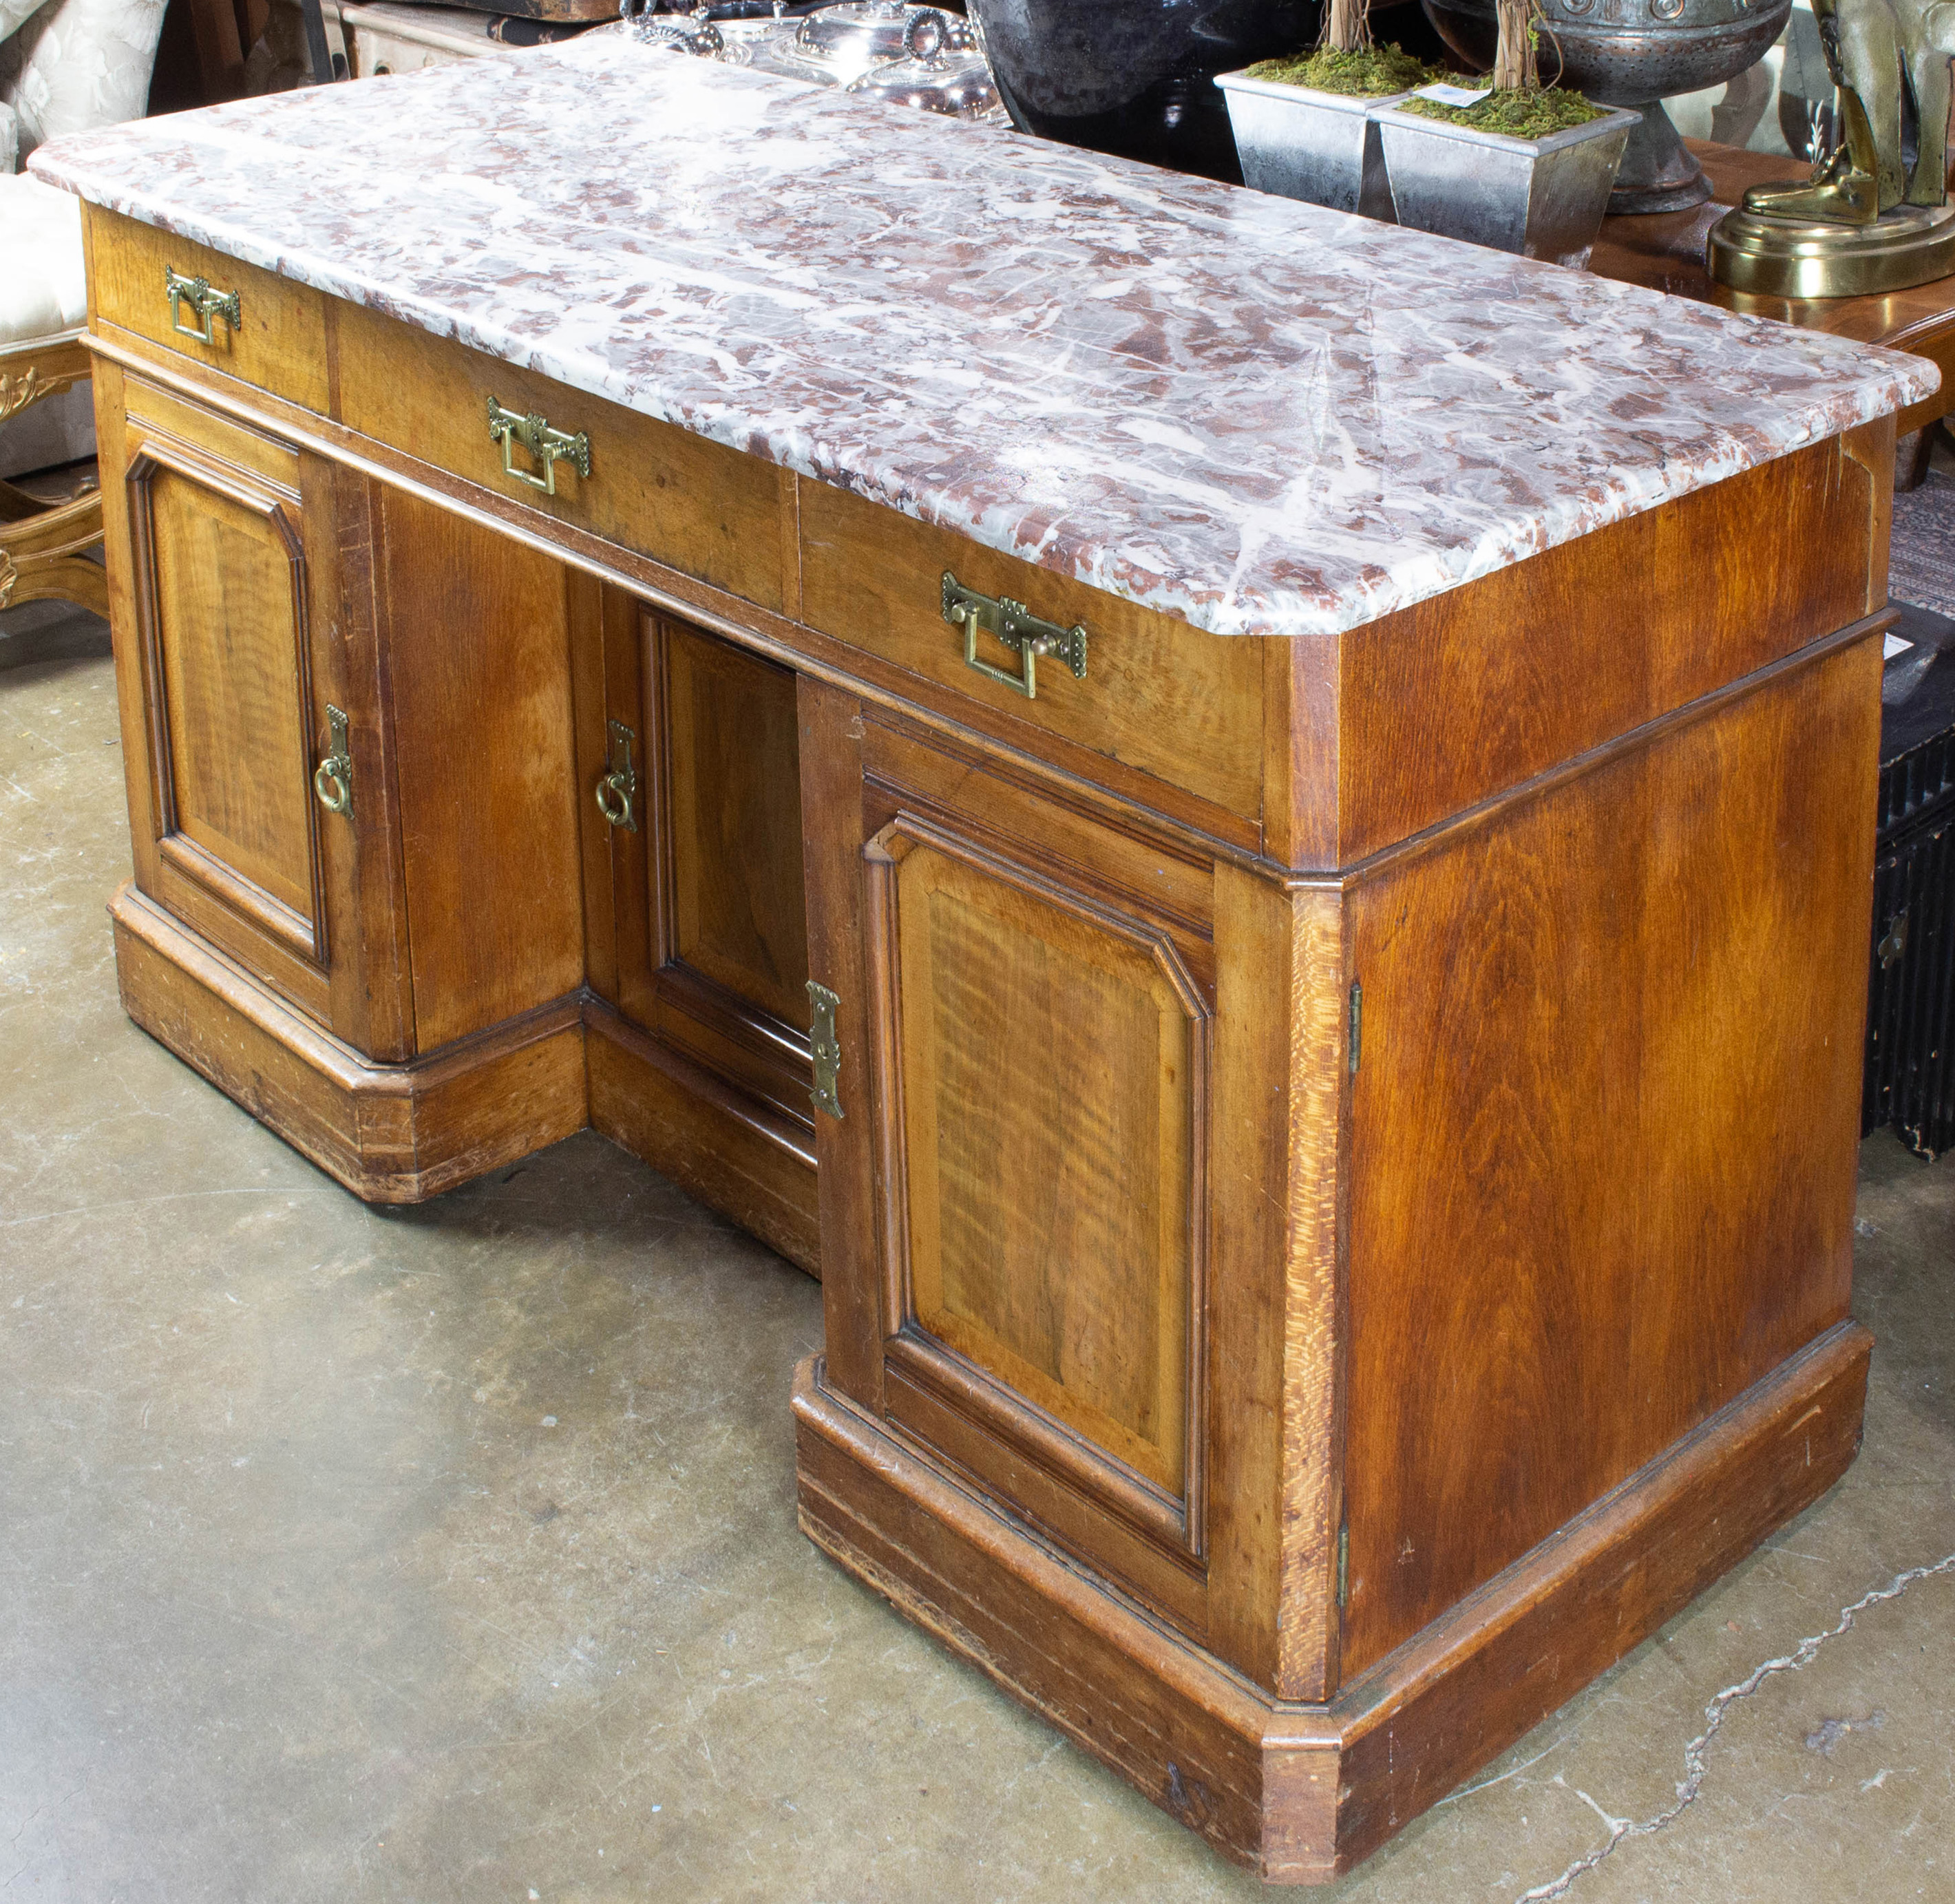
pixel 450 1553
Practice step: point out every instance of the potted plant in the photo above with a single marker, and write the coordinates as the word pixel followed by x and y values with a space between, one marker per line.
pixel 1513 163
pixel 1302 124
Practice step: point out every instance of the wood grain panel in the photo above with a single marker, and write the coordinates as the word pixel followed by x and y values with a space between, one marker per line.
pixel 1181 705
pixel 853 1219
pixel 598 616
pixel 1604 1121
pixel 1476 690
pixel 1105 851
pixel 1048 1085
pixel 280 346
pixel 697 506
pixel 219 622
pixel 732 786
pixel 710 916
pixel 484 761
pixel 228 583
pixel 259 557
pixel 1317 1022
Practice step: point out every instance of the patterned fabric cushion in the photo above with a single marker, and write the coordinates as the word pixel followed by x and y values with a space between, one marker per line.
pixel 44 288
pixel 75 64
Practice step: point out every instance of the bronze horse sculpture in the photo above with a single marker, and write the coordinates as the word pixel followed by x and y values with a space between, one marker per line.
pixel 1869 45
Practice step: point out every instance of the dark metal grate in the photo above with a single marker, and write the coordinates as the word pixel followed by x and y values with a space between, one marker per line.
pixel 1917 784
pixel 1909 1080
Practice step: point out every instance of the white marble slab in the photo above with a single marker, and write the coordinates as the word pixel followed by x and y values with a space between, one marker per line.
pixel 1258 415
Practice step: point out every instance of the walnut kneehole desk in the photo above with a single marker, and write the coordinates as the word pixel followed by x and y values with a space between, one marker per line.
pixel 1328 1131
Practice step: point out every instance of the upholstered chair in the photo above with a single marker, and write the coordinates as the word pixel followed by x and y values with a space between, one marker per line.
pixel 65 66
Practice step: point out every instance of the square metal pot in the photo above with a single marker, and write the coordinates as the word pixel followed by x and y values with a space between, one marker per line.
pixel 1543 198
pixel 1298 142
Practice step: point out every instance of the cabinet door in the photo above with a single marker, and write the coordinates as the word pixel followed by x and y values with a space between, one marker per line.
pixel 1013 1225
pixel 261 805
pixel 711 922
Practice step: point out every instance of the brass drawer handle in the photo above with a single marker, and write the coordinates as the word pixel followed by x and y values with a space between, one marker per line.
pixel 544 445
pixel 209 306
pixel 1018 628
pixel 618 791
pixel 333 779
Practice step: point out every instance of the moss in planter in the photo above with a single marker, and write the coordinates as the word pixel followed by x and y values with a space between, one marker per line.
pixel 1368 74
pixel 1530 115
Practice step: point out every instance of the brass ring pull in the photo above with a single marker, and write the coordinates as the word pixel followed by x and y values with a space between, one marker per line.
pixel 334 795
pixel 333 779
pixel 545 445
pixel 613 802
pixel 618 790
pixel 206 304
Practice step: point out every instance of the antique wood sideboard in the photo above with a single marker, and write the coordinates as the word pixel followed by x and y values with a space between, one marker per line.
pixel 1329 1136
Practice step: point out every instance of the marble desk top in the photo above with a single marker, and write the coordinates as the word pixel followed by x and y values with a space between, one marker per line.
pixel 1262 417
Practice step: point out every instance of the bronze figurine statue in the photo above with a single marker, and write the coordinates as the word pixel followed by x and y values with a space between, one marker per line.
pixel 1865 220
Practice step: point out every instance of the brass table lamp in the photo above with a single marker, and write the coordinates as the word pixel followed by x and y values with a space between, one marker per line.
pixel 1865 220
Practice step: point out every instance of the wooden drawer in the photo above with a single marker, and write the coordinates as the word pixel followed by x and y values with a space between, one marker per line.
pixel 278 343
pixel 696 506
pixel 1180 704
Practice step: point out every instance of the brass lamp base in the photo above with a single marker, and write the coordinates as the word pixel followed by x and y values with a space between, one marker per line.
pixel 1782 258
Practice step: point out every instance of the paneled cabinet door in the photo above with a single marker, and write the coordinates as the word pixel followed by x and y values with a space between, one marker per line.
pixel 1013 1233
pixel 701 782
pixel 260 806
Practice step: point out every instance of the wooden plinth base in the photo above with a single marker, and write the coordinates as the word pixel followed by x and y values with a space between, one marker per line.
pixel 728 1150
pixel 392 1133
pixel 1301 1793
pixel 399 1134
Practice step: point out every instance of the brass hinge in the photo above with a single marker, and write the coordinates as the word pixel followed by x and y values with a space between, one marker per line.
pixel 1343 1563
pixel 827 1049
pixel 1357 1024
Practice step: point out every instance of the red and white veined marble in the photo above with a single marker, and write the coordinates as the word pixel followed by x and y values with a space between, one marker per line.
pixel 1260 416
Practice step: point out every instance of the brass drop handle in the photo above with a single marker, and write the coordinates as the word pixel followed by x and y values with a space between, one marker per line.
pixel 333 779
pixel 207 305
pixel 617 791
pixel 1016 627
pixel 544 443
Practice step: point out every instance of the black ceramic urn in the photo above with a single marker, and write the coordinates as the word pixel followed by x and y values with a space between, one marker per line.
pixel 1136 76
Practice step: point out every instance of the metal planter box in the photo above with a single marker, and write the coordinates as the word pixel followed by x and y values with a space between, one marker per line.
pixel 1298 142
pixel 1543 198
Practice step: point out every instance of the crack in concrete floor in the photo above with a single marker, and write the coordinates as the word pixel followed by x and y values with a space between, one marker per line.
pixel 1694 1764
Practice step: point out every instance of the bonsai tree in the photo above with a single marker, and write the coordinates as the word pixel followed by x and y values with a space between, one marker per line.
pixel 1344 59
pixel 1349 28
pixel 1514 68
